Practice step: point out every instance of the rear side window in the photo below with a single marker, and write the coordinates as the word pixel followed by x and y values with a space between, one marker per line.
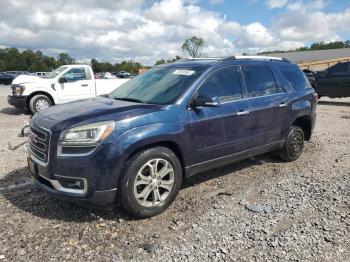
pixel 223 84
pixel 295 77
pixel 339 69
pixel 260 81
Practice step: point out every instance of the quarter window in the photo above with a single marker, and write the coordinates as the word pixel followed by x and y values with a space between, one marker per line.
pixel 75 74
pixel 295 77
pixel 223 84
pixel 260 81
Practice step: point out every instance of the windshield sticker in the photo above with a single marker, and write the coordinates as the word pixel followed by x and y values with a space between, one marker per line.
pixel 183 72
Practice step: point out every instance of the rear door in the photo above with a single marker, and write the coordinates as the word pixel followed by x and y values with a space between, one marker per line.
pixel 337 81
pixel 267 105
pixel 78 86
pixel 219 131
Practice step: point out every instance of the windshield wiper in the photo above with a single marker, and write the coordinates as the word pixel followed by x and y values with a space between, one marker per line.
pixel 129 99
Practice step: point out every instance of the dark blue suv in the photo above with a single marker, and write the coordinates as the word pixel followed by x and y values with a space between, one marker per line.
pixel 136 145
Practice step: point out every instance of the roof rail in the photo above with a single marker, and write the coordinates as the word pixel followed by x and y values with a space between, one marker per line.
pixel 243 57
pixel 257 57
pixel 199 58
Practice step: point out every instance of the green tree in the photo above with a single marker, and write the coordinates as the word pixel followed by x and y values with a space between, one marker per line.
pixel 193 46
pixel 65 59
pixel 163 61
pixel 160 62
pixel 2 66
pixel 34 61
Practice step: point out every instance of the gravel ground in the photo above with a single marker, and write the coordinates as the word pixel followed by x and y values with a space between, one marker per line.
pixel 260 209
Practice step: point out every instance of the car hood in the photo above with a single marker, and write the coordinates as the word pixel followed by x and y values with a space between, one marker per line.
pixel 98 109
pixel 25 79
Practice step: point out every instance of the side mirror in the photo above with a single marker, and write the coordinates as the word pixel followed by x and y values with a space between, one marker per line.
pixel 204 101
pixel 62 80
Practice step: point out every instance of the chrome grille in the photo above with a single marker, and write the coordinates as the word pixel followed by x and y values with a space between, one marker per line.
pixel 39 143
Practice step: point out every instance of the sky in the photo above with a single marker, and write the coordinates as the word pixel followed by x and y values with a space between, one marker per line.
pixel 146 30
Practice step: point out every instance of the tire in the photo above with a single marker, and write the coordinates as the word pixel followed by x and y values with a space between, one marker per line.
pixel 294 144
pixel 38 103
pixel 138 193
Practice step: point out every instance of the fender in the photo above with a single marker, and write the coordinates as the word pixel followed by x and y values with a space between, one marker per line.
pixel 132 140
pixel 29 90
pixel 301 105
pixel 142 136
pixel 300 108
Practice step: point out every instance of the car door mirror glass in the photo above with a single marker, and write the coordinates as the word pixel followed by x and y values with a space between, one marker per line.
pixel 62 80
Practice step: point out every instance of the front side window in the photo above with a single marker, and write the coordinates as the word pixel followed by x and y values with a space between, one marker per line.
pixel 340 69
pixel 159 85
pixel 75 74
pixel 295 77
pixel 223 84
pixel 260 81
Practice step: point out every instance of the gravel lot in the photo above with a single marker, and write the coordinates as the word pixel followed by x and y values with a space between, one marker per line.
pixel 305 204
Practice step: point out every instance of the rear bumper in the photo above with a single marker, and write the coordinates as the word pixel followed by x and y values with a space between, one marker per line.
pixel 17 101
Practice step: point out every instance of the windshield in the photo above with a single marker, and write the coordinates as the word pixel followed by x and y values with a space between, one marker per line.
pixel 158 85
pixel 55 72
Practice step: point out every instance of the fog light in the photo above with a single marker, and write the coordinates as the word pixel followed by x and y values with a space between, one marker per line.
pixel 72 183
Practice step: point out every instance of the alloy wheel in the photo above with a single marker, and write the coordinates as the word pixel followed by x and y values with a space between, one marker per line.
pixel 154 183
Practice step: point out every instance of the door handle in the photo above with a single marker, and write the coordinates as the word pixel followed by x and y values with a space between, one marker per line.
pixel 243 112
pixel 84 85
pixel 283 105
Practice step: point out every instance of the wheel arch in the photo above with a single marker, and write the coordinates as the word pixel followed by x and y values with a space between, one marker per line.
pixel 173 146
pixel 39 93
pixel 305 123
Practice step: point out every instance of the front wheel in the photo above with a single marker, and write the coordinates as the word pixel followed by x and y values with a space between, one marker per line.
pixel 294 144
pixel 38 103
pixel 151 182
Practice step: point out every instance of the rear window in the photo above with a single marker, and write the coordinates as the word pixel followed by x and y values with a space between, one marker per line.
pixel 295 77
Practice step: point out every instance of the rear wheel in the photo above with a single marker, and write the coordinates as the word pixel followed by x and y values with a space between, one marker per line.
pixel 151 182
pixel 294 144
pixel 38 103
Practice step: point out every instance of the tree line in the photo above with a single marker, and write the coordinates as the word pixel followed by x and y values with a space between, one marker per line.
pixel 316 46
pixel 11 59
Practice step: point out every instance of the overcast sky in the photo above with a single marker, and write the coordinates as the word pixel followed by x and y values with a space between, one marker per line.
pixel 146 30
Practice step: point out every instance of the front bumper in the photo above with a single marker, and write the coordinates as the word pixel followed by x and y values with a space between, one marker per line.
pixel 17 101
pixel 98 198
pixel 95 176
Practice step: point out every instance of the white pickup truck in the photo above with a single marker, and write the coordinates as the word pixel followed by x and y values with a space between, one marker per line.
pixel 65 84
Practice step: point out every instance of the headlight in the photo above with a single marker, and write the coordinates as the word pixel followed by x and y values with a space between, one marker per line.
pixel 18 90
pixel 86 135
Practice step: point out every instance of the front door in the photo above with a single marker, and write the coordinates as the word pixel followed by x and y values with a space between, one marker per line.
pixel 78 85
pixel 219 131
